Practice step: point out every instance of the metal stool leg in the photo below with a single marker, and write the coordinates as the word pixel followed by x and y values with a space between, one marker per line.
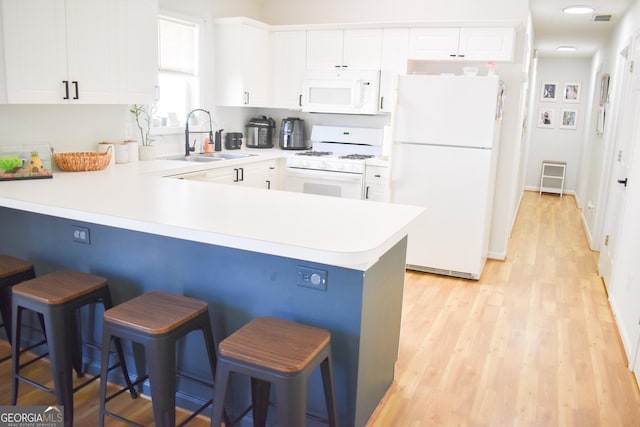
pixel 326 369
pixel 60 352
pixel 291 401
pixel 160 355
pixel 222 380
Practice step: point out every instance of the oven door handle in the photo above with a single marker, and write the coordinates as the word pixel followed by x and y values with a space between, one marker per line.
pixel 325 175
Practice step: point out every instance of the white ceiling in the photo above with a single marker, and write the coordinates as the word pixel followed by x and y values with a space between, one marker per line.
pixel 553 28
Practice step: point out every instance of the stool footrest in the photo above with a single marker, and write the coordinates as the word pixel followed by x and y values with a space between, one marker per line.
pixel 31 347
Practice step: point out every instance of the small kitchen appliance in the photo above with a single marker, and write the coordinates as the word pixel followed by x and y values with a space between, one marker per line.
pixel 292 134
pixel 232 140
pixel 260 132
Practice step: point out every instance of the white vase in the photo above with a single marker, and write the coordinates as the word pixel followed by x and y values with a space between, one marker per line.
pixel 147 152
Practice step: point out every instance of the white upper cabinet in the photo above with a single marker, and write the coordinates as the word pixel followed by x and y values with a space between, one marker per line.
pixel 354 49
pixel 469 44
pixel 289 62
pixel 242 63
pixel 66 51
pixel 433 43
pixel 479 44
pixel 138 51
pixel 395 52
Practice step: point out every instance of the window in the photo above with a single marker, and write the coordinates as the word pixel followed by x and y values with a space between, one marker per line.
pixel 177 70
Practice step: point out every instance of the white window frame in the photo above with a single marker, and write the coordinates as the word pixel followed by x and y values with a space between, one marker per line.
pixel 193 79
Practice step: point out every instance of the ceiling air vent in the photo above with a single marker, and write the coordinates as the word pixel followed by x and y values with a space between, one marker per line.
pixel 602 18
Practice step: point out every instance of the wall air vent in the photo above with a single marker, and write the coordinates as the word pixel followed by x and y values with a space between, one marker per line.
pixel 601 18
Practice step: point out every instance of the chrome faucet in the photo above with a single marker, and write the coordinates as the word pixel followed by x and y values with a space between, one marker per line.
pixel 188 149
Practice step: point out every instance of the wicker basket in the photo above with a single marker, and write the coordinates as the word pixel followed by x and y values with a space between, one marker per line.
pixel 82 161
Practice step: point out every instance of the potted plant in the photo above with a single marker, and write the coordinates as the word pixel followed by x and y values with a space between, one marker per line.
pixel 144 116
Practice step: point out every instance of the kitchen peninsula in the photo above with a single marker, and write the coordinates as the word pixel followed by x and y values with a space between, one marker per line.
pixel 246 251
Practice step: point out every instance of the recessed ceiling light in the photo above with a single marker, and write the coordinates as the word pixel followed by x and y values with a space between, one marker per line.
pixel 566 49
pixel 578 9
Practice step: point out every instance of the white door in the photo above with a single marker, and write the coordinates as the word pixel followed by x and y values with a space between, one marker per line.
pixel 628 105
pixel 625 287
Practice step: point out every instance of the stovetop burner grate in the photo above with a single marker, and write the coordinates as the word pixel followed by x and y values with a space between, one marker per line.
pixel 357 156
pixel 314 153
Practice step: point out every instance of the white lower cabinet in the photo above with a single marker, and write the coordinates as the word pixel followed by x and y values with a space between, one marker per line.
pixel 262 174
pixel 376 184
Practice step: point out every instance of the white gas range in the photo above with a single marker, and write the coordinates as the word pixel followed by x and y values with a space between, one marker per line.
pixel 336 164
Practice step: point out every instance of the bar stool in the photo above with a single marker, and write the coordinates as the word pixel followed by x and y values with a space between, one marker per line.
pixel 157 320
pixel 12 271
pixel 57 296
pixel 275 351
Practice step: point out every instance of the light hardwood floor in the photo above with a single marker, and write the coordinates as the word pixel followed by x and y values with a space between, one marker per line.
pixel 533 343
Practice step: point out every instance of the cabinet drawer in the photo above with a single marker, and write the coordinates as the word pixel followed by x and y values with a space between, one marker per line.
pixel 376 174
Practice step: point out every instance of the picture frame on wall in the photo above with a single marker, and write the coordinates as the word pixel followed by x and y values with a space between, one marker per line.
pixel 568 118
pixel 571 92
pixel 549 92
pixel 546 117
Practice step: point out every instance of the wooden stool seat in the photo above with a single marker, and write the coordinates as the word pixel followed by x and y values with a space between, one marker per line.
pixel 279 352
pixel 60 287
pixel 10 266
pixel 12 271
pixel 157 320
pixel 275 344
pixel 56 297
pixel 156 312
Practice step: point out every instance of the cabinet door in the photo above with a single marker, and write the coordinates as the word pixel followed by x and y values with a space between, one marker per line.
pixel 35 50
pixel 256 175
pixel 362 49
pixel 433 43
pixel 376 184
pixel 92 54
pixel 289 60
pixel 395 51
pixel 255 60
pixel 137 35
pixel 487 44
pixel 324 49
pixel 242 76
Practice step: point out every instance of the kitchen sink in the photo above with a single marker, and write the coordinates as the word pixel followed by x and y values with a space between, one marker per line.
pixel 196 158
pixel 209 157
pixel 219 155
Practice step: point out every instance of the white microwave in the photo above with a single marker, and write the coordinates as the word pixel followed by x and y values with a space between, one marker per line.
pixel 341 91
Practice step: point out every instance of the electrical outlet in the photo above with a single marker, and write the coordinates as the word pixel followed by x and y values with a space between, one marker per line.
pixel 312 278
pixel 81 234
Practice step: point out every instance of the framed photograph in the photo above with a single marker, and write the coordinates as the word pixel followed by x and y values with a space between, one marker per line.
pixel 546 117
pixel 549 91
pixel 571 92
pixel 569 118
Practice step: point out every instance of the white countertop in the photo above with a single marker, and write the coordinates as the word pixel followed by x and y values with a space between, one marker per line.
pixel 135 196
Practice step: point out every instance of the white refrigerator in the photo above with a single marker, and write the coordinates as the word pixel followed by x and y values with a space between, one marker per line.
pixel 445 140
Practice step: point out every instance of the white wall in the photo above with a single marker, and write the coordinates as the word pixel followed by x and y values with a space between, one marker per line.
pixel 556 143
pixel 338 11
